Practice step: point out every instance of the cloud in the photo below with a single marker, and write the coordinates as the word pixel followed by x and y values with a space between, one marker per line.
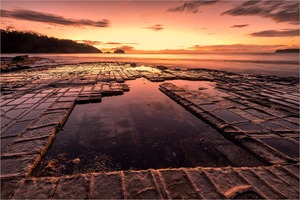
pixel 51 19
pixel 239 26
pixel 235 48
pixel 10 27
pixel 279 11
pixel 93 42
pixel 192 6
pixel 113 43
pixel 276 33
pixel 90 42
pixel 156 27
pixel 119 43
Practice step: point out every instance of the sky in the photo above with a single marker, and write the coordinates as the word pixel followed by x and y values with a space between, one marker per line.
pixel 161 26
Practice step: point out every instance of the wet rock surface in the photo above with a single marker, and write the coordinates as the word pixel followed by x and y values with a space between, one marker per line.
pixel 246 125
pixel 258 113
pixel 273 182
pixel 23 62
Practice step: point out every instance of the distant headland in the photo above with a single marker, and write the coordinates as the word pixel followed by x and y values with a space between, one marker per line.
pixel 119 51
pixel 287 51
pixel 25 42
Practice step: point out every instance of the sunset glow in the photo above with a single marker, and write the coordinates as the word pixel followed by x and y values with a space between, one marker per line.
pixel 161 26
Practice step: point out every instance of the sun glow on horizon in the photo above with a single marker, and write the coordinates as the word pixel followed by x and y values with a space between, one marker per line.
pixel 153 26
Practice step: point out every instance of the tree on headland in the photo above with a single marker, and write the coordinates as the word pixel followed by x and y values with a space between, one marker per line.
pixel 119 51
pixel 26 42
pixel 287 51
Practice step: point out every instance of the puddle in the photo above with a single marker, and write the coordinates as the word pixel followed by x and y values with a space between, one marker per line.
pixel 17 101
pixel 287 124
pixel 4 121
pixel 272 126
pixel 191 85
pixel 144 68
pixel 32 114
pixel 32 100
pixel 15 129
pixel 43 106
pixel 250 127
pixel 258 113
pixel 5 142
pixel 206 87
pixel 6 108
pixel 15 113
pixel 282 145
pixel 228 116
pixel 210 107
pixel 141 129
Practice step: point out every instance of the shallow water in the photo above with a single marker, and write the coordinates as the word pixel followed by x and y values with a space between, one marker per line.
pixel 139 130
pixel 283 145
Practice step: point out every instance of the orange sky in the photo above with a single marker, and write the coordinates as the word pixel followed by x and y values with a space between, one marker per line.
pixel 165 26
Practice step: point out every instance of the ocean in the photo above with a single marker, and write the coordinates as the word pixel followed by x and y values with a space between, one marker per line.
pixel 278 64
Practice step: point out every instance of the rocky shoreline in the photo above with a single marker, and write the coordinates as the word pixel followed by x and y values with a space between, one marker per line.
pixel 22 62
pixel 258 113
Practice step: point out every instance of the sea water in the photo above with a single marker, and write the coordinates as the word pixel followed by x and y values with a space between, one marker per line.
pixel 277 64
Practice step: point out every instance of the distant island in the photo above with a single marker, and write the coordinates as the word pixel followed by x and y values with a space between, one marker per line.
pixel 119 51
pixel 25 42
pixel 287 51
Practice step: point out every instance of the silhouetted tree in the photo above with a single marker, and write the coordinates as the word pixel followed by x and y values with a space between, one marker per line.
pixel 119 51
pixel 25 42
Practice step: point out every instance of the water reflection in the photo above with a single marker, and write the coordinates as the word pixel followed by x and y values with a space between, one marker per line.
pixel 139 130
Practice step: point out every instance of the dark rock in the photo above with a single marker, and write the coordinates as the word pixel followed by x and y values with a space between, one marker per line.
pixel 4 67
pixel 72 188
pixel 106 186
pixel 287 51
pixel 133 64
pixel 119 51
pixel 26 67
pixel 13 67
pixel 42 188
pixel 8 186
pixel 161 67
pixel 21 58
